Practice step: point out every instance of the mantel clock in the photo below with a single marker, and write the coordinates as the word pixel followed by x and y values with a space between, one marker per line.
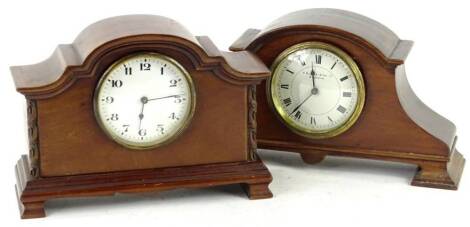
pixel 339 87
pixel 135 104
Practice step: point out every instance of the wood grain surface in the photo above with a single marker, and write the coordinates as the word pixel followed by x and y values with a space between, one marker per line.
pixel 394 124
pixel 71 156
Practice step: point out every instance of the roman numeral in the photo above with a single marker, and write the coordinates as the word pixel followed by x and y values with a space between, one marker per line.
pixel 287 101
pixel 318 59
pixel 289 71
pixel 329 118
pixel 344 78
pixel 297 115
pixel 347 94
pixel 313 121
pixel 300 60
pixel 341 109
pixel 285 86
pixel 334 64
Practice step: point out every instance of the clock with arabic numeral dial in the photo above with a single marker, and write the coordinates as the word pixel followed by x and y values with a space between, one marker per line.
pixel 316 89
pixel 144 100
pixel 138 104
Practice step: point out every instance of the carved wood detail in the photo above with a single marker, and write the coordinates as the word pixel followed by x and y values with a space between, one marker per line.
pixel 33 136
pixel 252 121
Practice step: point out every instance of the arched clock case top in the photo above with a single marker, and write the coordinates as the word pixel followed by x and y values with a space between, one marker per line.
pixel 70 155
pixel 394 124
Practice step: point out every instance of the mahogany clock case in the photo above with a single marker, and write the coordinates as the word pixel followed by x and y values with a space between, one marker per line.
pixel 394 124
pixel 71 156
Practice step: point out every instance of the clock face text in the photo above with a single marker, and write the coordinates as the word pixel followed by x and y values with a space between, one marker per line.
pixel 315 90
pixel 144 100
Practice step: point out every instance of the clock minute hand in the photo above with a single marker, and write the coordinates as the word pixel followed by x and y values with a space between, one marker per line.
pixel 164 97
pixel 296 108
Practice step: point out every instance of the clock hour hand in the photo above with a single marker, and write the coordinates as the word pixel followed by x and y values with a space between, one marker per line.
pixel 314 88
pixel 312 73
pixel 143 100
pixel 164 97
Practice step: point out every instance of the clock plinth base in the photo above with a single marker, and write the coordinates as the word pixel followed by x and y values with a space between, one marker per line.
pixel 32 210
pixel 258 191
pixel 431 174
pixel 313 158
pixel 443 172
pixel 34 192
pixel 443 175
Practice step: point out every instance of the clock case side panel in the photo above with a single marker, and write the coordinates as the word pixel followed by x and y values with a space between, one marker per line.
pixel 444 174
pixel 440 165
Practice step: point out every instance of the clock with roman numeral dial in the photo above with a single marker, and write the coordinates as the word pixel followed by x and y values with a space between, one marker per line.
pixel 144 100
pixel 316 89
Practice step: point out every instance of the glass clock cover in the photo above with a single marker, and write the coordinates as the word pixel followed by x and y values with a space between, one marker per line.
pixel 316 89
pixel 144 100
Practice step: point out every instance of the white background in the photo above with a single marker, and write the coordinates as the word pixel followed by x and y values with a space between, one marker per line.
pixel 337 192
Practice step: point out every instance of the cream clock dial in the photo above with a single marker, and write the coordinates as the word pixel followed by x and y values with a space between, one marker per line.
pixel 144 100
pixel 316 89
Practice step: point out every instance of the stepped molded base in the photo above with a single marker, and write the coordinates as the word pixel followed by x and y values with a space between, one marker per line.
pixel 440 174
pixel 33 192
pixel 432 174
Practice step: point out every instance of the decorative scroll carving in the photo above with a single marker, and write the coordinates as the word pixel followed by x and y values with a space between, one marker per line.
pixel 33 137
pixel 252 121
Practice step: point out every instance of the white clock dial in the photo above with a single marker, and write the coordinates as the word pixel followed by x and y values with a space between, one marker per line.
pixel 317 89
pixel 144 100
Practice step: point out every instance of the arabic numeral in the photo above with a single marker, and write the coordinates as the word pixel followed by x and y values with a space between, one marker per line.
pixel 145 66
pixel 160 129
pixel 114 117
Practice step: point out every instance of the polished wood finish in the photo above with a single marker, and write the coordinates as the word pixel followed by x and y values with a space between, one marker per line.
pixel 394 124
pixel 313 158
pixel 253 176
pixel 67 143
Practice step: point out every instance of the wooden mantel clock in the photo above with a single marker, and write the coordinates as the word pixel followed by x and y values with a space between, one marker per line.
pixel 339 87
pixel 135 104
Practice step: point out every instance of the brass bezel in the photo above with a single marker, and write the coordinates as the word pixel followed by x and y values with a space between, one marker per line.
pixel 283 116
pixel 146 145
